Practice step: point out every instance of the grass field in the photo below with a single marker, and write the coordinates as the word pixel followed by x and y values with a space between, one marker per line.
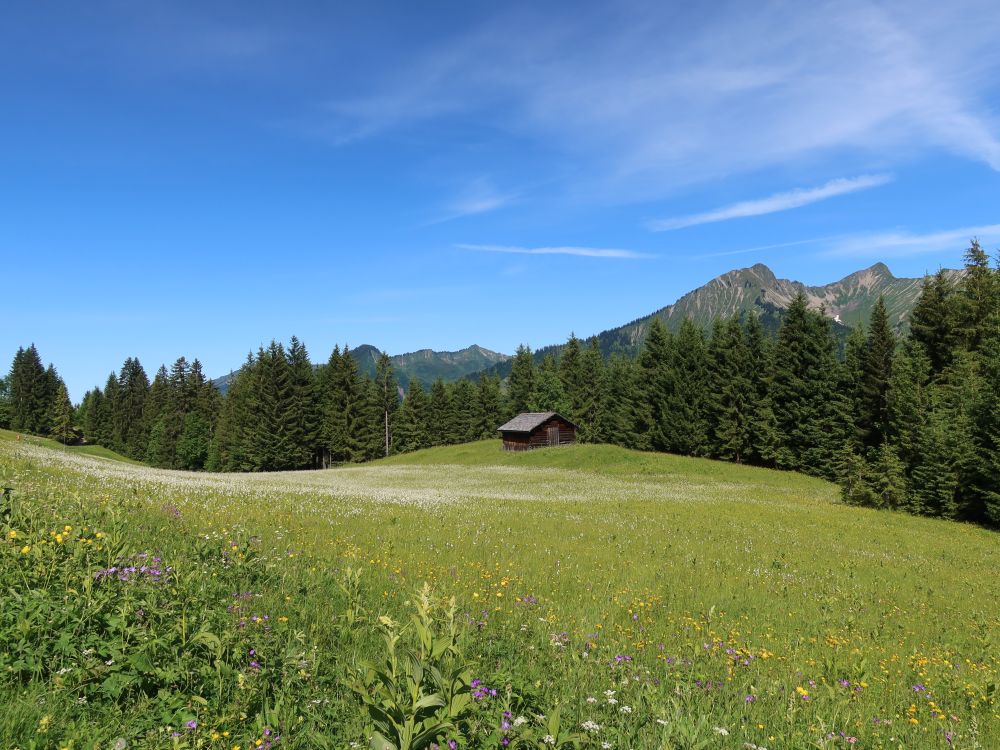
pixel 631 600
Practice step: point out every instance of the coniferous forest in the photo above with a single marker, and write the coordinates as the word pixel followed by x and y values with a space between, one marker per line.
pixel 904 422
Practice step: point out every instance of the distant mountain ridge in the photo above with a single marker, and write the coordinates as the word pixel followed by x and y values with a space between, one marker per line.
pixel 756 290
pixel 424 365
pixel 743 291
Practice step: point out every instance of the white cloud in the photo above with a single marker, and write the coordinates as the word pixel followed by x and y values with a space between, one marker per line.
pixel 774 203
pixel 902 243
pixel 642 100
pixel 587 252
pixel 478 197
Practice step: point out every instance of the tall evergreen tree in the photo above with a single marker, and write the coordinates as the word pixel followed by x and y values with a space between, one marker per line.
pixel 62 416
pixel 29 396
pixel 387 398
pixel 731 397
pixel 521 384
pixel 412 419
pixel 809 410
pixel 655 385
pixel 440 427
pixel 492 408
pixel 303 409
pixel 873 401
pixel 685 427
pixel 934 321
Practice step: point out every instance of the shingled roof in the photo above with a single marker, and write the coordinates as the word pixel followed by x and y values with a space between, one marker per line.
pixel 529 420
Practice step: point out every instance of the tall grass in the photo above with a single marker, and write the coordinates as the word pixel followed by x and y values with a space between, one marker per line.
pixel 631 600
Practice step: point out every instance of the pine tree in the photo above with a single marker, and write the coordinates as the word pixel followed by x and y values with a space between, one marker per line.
pixel 29 397
pixel 130 424
pixel 549 392
pixel 440 427
pixel 466 417
pixel 521 384
pixel 591 399
pixel 934 321
pixel 302 415
pixel 5 403
pixel 873 395
pixel 731 397
pixel 387 399
pixel 685 426
pixel 62 420
pixel 809 410
pixel 492 407
pixel 411 420
pixel 987 423
pixel 617 419
pixel 655 386
pixel 571 377
pixel 765 439
pixel 978 302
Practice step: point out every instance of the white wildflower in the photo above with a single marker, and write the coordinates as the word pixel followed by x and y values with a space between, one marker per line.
pixel 721 730
pixel 626 709
pixel 549 739
pixel 591 726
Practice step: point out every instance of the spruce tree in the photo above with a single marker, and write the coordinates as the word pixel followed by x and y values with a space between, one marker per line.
pixel 492 408
pixel 440 425
pixel 387 399
pixel 591 398
pixel 765 439
pixel 130 422
pixel 5 403
pixel 873 401
pixel 731 396
pixel 809 410
pixel 411 420
pixel 521 383
pixel 29 397
pixel 935 320
pixel 62 416
pixel 685 426
pixel 654 388
pixel 302 414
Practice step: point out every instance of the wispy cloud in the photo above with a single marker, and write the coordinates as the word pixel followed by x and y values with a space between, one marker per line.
pixel 774 203
pixel 643 108
pixel 478 197
pixel 902 243
pixel 586 252
pixel 758 248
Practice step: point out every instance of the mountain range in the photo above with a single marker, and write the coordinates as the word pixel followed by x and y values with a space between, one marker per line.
pixel 744 291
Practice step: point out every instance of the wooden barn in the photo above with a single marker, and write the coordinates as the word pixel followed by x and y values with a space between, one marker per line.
pixel 537 430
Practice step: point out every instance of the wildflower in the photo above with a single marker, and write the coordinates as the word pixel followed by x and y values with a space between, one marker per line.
pixel 662 722
pixel 549 739
pixel 625 709
pixel 591 700
pixel 721 731
pixel 25 549
pixel 13 534
pixel 591 726
pixel 192 724
pixel 750 699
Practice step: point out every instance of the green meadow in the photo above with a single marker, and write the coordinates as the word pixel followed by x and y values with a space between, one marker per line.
pixel 586 596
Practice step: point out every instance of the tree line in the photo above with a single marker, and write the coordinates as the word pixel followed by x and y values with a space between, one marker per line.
pixel 911 423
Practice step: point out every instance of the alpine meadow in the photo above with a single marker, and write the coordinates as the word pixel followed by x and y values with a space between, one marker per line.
pixel 414 376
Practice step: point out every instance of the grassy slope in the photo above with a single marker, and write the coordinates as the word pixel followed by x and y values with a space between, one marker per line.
pixel 608 460
pixel 670 561
pixel 96 451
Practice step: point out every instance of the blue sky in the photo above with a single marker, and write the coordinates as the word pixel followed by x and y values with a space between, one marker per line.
pixel 198 178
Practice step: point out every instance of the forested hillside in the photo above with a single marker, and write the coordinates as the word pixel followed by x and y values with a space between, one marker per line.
pixel 909 422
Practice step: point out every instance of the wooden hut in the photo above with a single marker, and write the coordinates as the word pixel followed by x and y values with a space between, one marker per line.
pixel 537 430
